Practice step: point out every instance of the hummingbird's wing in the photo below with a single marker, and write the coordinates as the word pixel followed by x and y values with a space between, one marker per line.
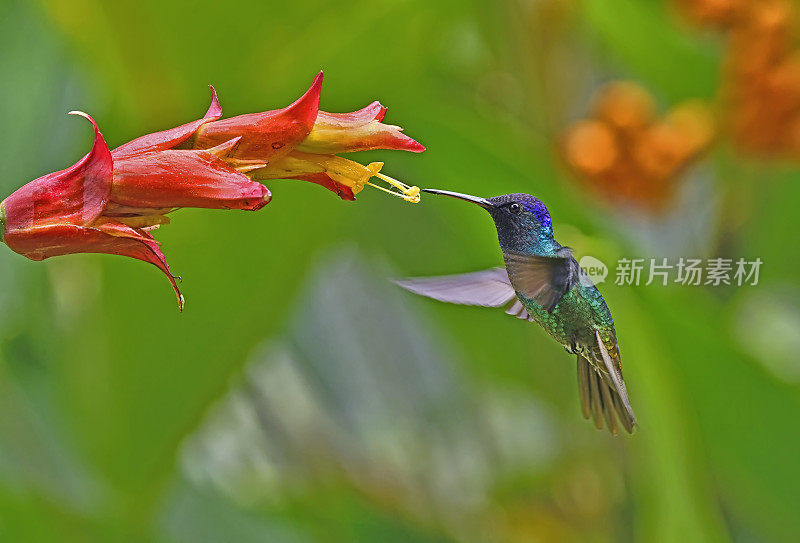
pixel 487 288
pixel 544 279
pixel 602 390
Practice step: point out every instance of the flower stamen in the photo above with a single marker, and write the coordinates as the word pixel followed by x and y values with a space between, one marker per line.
pixel 407 193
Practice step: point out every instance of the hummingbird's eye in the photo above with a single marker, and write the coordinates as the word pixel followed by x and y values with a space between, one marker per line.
pixel 514 208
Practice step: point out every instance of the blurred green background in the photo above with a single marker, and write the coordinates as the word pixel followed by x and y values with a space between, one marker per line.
pixel 300 397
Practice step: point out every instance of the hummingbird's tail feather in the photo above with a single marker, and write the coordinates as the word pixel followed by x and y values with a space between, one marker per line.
pixel 613 378
pixel 601 400
pixel 596 398
pixel 624 414
pixel 584 374
pixel 608 408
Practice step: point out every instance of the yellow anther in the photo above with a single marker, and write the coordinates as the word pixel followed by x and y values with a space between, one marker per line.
pixel 407 193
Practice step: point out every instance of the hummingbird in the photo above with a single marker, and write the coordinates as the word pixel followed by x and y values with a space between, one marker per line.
pixel 543 283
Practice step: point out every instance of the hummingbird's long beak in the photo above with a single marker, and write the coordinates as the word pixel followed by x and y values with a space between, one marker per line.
pixel 483 202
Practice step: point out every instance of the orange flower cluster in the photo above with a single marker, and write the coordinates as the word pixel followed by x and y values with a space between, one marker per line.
pixel 762 73
pixel 627 154
pixel 721 13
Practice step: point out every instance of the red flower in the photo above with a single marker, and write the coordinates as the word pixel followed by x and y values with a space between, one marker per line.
pixel 107 202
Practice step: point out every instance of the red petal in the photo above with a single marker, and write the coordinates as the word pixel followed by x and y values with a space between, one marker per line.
pixel 76 195
pixel 268 135
pixel 385 137
pixel 343 191
pixel 360 130
pixel 43 242
pixel 184 178
pixel 173 137
pixel 373 112
pixel 214 108
pixel 380 110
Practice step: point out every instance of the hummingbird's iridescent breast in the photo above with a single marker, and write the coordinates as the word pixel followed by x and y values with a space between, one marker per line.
pixel 575 318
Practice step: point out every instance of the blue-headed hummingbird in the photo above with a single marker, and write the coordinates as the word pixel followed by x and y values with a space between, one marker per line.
pixel 543 283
